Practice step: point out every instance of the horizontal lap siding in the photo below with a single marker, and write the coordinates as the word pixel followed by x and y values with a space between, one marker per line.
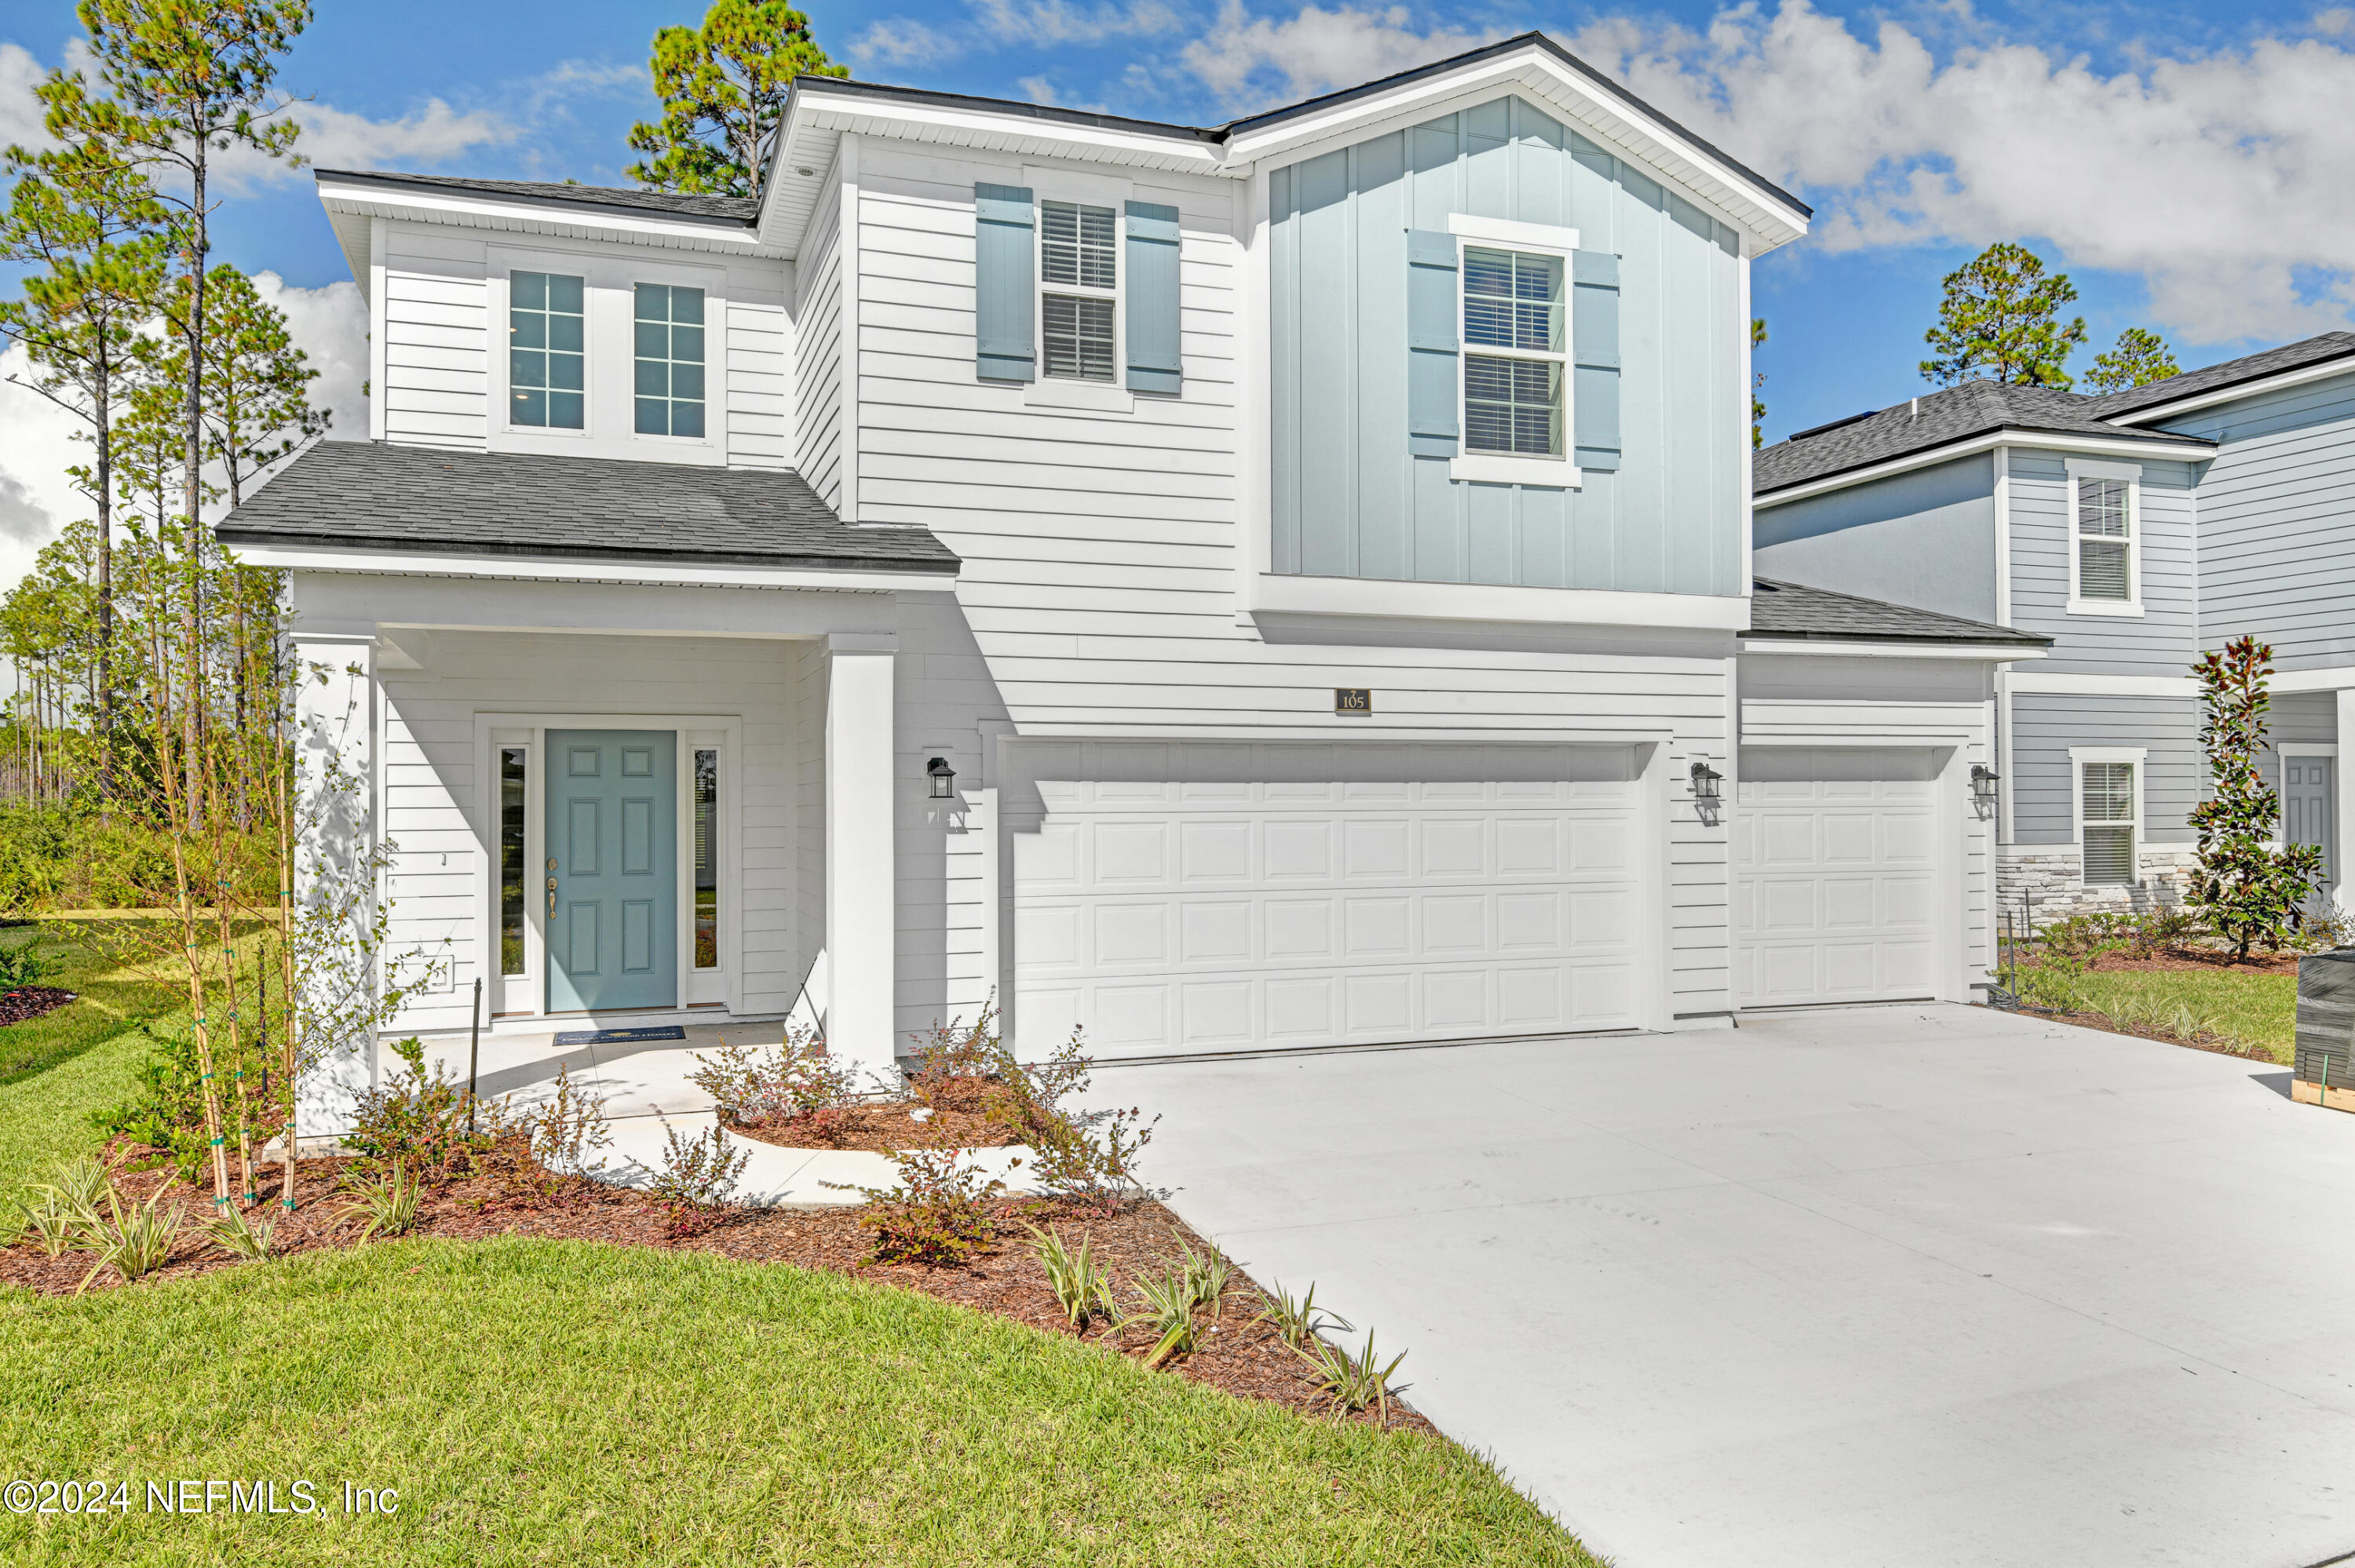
pixel 817 386
pixel 437 340
pixel 2164 638
pixel 2277 523
pixel 760 365
pixel 431 785
pixel 2045 727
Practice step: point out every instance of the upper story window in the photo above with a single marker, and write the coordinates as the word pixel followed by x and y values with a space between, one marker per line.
pixel 2104 546
pixel 1513 353
pixel 1077 252
pixel 545 377
pixel 668 388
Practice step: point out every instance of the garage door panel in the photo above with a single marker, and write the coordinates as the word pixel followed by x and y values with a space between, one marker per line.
pixel 1835 881
pixel 1366 904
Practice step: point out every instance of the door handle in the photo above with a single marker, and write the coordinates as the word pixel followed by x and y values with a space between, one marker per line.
pixel 551 895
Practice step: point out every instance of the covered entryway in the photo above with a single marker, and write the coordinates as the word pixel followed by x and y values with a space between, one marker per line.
pixel 1180 898
pixel 1836 876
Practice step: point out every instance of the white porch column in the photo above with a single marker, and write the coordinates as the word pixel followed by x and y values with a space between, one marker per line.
pixel 335 873
pixel 861 873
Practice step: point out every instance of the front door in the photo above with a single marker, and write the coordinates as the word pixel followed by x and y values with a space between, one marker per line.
pixel 612 869
pixel 2306 814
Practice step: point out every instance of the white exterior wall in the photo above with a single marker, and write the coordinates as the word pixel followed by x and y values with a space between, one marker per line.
pixel 435 806
pixel 1944 705
pixel 817 386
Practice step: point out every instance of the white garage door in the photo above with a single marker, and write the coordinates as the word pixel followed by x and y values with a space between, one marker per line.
pixel 1835 877
pixel 1204 897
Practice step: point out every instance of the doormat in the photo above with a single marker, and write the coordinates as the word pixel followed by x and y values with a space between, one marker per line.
pixel 619 1036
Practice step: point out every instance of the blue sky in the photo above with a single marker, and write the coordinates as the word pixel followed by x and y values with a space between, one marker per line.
pixel 2185 163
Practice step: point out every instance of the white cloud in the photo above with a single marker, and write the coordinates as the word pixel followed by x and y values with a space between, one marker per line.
pixel 1255 62
pixel 997 23
pixel 20 111
pixel 2219 177
pixel 330 325
pixel 21 516
pixel 898 41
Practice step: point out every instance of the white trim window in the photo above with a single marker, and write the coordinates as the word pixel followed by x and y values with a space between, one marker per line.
pixel 2105 538
pixel 547 351
pixel 1078 306
pixel 667 339
pixel 1516 352
pixel 2107 797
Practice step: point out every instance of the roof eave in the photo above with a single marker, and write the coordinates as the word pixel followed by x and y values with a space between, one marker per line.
pixel 933 571
pixel 2233 391
pixel 2124 443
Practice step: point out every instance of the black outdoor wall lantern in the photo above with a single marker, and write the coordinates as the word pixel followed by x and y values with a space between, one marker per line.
pixel 943 778
pixel 1983 782
pixel 1706 796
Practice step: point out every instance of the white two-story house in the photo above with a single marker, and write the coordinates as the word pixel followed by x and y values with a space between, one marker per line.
pixel 1279 585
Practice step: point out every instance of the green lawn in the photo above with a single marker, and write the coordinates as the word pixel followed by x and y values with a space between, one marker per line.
pixel 58 1068
pixel 559 1402
pixel 2259 1008
pixel 110 994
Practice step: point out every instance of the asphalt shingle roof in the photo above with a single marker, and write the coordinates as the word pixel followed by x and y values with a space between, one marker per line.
pixel 373 494
pixel 1795 610
pixel 1952 414
pixel 2232 373
pixel 734 209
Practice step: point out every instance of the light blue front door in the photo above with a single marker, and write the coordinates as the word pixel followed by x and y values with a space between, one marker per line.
pixel 2306 792
pixel 612 869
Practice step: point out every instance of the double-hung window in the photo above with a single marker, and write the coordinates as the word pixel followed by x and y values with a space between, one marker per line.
pixel 1078 252
pixel 2109 816
pixel 2104 570
pixel 1514 352
pixel 669 347
pixel 545 351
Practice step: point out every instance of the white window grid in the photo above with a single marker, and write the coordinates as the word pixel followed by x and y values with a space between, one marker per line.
pixel 1078 305
pixel 2105 542
pixel 2106 787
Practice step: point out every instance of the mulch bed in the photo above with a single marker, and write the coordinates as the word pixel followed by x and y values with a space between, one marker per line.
pixel 2199 960
pixel 1237 1354
pixel 880 1129
pixel 31 1002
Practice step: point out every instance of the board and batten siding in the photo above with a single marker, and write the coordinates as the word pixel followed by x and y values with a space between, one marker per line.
pixel 433 808
pixel 2163 639
pixel 439 379
pixel 1350 501
pixel 2277 522
pixel 1099 539
pixel 1925 538
pixel 2045 725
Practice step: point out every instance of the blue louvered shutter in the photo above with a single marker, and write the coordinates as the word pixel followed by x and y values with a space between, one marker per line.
pixel 1594 358
pixel 1432 346
pixel 1005 288
pixel 1153 361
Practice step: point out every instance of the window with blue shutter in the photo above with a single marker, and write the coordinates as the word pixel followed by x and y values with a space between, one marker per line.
pixel 1595 358
pixel 1154 364
pixel 1433 348
pixel 1006 284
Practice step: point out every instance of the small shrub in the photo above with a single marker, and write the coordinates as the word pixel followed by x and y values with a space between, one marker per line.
pixel 1082 1289
pixel 384 1201
pixel 415 1117
pixel 240 1234
pixel 1170 1303
pixel 1207 1277
pixel 19 967
pixel 792 1079
pixel 135 1242
pixel 568 1132
pixel 1351 1381
pixel 1298 1322
pixel 698 1172
pixel 1083 1159
pixel 942 1209
pixel 956 1068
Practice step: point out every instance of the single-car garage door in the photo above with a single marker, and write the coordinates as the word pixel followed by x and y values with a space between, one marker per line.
pixel 1179 897
pixel 1836 876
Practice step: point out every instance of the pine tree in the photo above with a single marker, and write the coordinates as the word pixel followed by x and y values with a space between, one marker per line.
pixel 2251 889
pixel 723 88
pixel 1757 381
pixel 2139 359
pixel 2001 319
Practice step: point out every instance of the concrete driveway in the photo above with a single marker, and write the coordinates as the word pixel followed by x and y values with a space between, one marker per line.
pixel 1916 1285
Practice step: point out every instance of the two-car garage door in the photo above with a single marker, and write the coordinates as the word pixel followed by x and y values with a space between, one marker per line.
pixel 1836 876
pixel 1178 897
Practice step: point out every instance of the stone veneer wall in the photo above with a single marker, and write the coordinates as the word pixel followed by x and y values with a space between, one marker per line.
pixel 2053 875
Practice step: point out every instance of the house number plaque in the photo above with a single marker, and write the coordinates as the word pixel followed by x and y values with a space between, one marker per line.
pixel 1353 700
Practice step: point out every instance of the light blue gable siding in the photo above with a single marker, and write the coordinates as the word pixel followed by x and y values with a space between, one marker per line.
pixel 2164 637
pixel 2277 522
pixel 1350 501
pixel 1925 538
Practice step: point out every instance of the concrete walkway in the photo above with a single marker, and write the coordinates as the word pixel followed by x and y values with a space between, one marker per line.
pixel 1874 1286
pixel 647 1095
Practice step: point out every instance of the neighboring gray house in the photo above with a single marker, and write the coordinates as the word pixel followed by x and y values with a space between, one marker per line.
pixel 2135 529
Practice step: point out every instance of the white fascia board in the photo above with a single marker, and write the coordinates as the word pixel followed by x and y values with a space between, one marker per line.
pixel 1978 653
pixel 2343 366
pixel 484 210
pixel 1746 203
pixel 2329 678
pixel 541 569
pixel 1486 733
pixel 1278 593
pixel 2183 450
pixel 2059 684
